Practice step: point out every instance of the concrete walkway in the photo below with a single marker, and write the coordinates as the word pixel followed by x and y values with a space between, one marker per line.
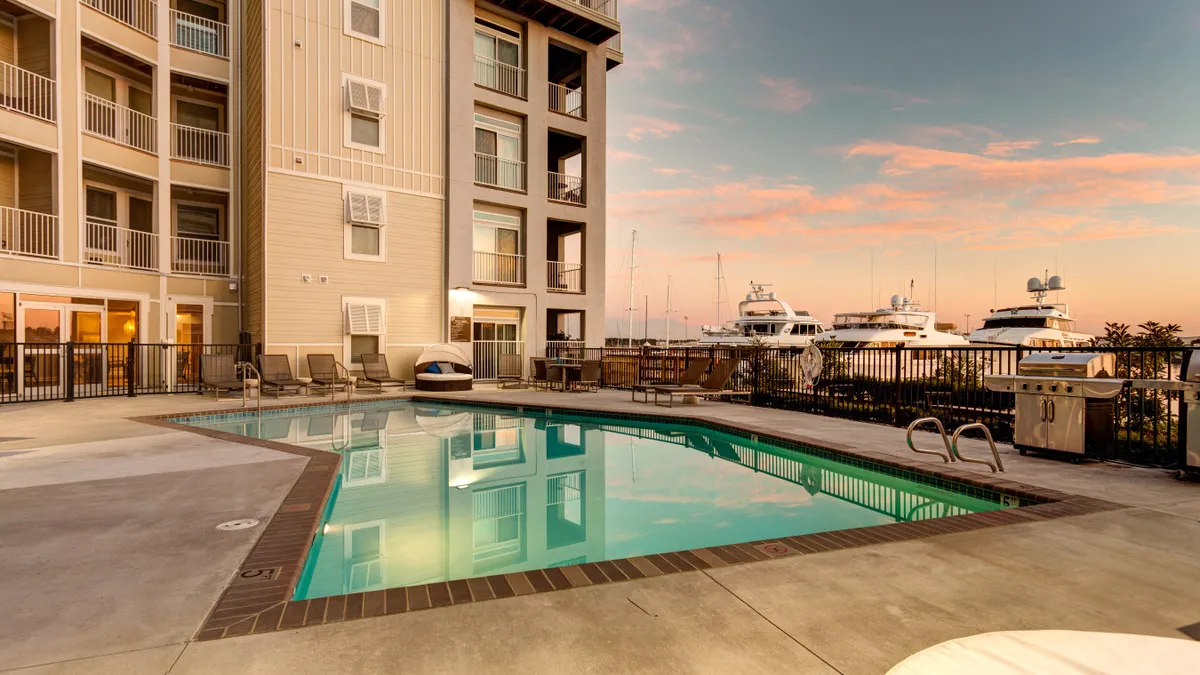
pixel 105 513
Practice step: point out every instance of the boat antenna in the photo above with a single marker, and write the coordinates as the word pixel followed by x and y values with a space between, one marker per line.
pixel 669 310
pixel 632 267
pixel 935 277
pixel 646 318
pixel 719 279
pixel 872 287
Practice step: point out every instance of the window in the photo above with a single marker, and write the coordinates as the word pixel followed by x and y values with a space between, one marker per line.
pixel 363 550
pixel 365 106
pixel 364 228
pixel 498 153
pixel 365 327
pixel 364 467
pixel 497 246
pixel 198 222
pixel 364 19
pixel 498 59
pixel 197 115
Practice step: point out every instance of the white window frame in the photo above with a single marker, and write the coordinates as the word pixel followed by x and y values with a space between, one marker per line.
pixel 382 334
pixel 222 226
pixel 349 30
pixel 348 227
pixel 348 459
pixel 348 553
pixel 175 99
pixel 347 115
pixel 518 227
pixel 123 195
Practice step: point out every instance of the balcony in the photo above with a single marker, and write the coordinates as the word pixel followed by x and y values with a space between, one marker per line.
pixel 591 20
pixel 207 257
pixel 200 145
pixel 501 77
pixel 107 243
pixel 566 100
pixel 506 269
pixel 118 124
pixel 564 277
pixel 562 187
pixel 199 34
pixel 499 172
pixel 137 14
pixel 27 93
pixel 28 233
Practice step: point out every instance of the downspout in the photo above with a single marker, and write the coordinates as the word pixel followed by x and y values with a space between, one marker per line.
pixel 446 177
pixel 241 132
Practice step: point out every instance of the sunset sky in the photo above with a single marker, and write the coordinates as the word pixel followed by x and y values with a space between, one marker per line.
pixel 801 138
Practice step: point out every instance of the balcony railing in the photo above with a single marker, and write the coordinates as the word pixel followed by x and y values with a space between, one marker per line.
pixel 199 145
pixel 25 92
pixel 190 255
pixel 564 188
pixel 502 77
pixel 137 14
pixel 499 268
pixel 564 277
pixel 614 43
pixel 500 172
pixel 566 100
pixel 199 34
pixel 606 7
pixel 107 243
pixel 487 358
pixel 119 124
pixel 28 233
pixel 565 349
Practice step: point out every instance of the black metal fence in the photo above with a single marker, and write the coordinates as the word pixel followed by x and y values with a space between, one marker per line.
pixel 896 385
pixel 49 371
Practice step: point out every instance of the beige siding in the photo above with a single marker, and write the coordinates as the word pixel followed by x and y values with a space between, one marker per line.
pixel 8 41
pixel 35 46
pixel 8 180
pixel 253 196
pixel 305 234
pixel 310 138
pixel 37 184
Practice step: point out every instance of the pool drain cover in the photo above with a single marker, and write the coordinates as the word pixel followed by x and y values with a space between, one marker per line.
pixel 242 524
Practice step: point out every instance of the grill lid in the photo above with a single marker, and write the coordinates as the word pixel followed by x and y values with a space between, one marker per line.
pixel 1192 371
pixel 1052 364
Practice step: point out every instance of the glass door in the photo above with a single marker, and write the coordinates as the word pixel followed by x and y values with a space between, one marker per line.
pixel 41 363
pixel 91 362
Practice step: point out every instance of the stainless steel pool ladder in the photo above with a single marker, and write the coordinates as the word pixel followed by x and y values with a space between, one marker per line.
pixel 246 367
pixel 349 386
pixel 951 442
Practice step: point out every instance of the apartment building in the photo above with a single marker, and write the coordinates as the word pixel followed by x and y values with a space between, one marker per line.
pixel 341 176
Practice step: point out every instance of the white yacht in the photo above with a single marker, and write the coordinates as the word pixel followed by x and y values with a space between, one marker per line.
pixel 764 315
pixel 904 322
pixel 1041 324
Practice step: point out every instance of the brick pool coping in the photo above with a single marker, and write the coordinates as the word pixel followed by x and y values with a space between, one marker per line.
pixel 258 598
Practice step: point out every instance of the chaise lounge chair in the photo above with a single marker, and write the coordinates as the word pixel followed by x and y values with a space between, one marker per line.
pixel 218 372
pixel 323 369
pixel 509 372
pixel 377 374
pixel 443 367
pixel 713 387
pixel 277 375
pixel 690 378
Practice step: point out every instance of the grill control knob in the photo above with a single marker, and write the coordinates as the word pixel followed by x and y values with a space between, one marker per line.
pixel 1039 387
pixel 1070 389
pixel 1054 387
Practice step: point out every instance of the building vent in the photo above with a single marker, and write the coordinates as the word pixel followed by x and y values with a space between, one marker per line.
pixel 365 99
pixel 364 17
pixel 364 209
pixel 364 319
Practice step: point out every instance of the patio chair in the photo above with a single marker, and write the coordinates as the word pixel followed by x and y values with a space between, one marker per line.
pixel 276 370
pixel 588 377
pixel 713 387
pixel 690 378
pixel 554 376
pixel 218 372
pixel 538 374
pixel 377 374
pixel 508 373
pixel 323 369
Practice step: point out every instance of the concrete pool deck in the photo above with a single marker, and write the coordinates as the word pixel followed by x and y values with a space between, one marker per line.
pixel 108 514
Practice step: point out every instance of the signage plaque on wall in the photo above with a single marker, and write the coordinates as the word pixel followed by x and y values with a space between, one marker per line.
pixel 460 329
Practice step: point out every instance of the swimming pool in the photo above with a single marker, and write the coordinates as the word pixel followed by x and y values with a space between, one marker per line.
pixel 432 492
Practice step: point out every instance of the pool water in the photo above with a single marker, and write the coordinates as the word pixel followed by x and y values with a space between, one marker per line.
pixel 441 492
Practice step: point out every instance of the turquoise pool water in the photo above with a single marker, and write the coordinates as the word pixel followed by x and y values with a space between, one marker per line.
pixel 440 492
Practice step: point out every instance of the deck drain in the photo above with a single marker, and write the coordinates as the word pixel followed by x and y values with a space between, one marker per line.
pixel 242 524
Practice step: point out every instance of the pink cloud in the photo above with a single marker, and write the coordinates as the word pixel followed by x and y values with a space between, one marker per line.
pixel 899 98
pixel 784 95
pixel 642 126
pixel 1007 148
pixel 618 156
pixel 1085 140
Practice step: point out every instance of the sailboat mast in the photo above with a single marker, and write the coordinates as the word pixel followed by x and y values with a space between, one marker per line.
pixel 632 267
pixel 719 291
pixel 668 310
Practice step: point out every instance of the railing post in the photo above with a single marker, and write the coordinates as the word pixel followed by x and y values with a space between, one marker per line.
pixel 896 377
pixel 70 374
pixel 131 367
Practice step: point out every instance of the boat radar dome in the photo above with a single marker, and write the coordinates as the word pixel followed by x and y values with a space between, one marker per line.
pixel 1055 283
pixel 1034 285
pixel 749 297
pixel 897 301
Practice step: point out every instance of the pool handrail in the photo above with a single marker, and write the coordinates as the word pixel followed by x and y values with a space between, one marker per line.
pixel 949 456
pixel 998 466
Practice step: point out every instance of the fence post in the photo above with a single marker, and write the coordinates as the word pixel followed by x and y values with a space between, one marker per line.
pixel 896 377
pixel 131 367
pixel 70 374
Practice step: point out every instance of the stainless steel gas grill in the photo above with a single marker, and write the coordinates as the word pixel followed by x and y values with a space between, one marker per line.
pixel 1188 385
pixel 1064 402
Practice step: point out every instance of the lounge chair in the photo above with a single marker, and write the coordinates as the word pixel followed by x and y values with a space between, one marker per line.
pixel 588 377
pixel 690 378
pixel 323 369
pixel 276 370
pixel 218 372
pixel 713 387
pixel 377 374
pixel 443 367
pixel 509 372
pixel 538 374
